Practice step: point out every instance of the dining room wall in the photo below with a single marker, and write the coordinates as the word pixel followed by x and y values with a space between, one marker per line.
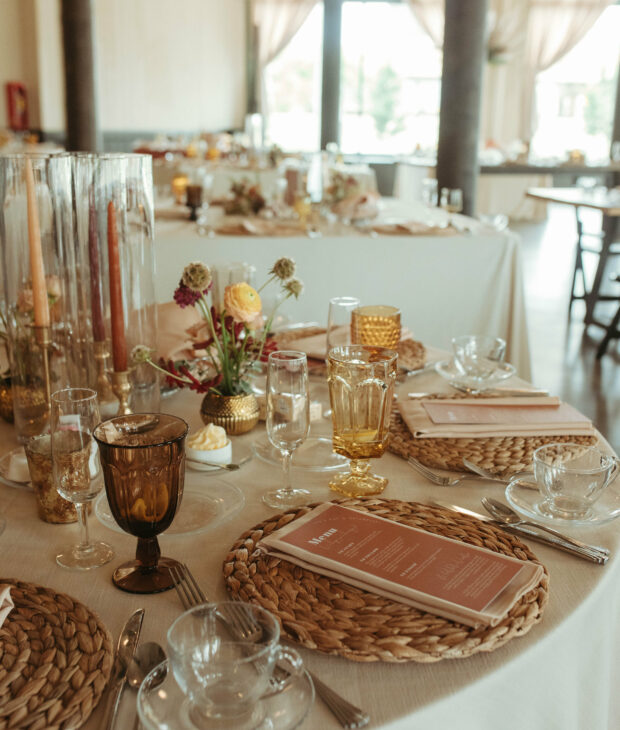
pixel 160 65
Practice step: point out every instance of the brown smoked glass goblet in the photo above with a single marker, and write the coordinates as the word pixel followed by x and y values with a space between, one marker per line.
pixel 143 461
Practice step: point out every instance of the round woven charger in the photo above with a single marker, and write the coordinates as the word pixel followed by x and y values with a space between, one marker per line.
pixel 330 616
pixel 55 660
pixel 502 455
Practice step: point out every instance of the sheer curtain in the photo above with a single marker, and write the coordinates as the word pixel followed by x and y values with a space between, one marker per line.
pixel 527 36
pixel 276 22
pixel 554 28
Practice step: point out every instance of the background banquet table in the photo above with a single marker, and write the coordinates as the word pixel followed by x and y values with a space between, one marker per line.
pixel 560 675
pixel 444 285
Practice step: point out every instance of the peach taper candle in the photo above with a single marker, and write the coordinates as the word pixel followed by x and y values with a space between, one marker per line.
pixel 119 343
pixel 37 271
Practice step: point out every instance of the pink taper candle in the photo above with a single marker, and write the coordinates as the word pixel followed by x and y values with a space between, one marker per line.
pixel 119 343
pixel 37 271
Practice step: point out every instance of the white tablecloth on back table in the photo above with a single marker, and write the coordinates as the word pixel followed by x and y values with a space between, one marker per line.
pixel 470 283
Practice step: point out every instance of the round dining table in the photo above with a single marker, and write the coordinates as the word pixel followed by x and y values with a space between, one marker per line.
pixel 560 675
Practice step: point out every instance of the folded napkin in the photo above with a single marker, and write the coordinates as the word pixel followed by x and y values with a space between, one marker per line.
pixel 315 346
pixel 174 331
pixel 412 228
pixel 446 577
pixel 259 227
pixel 6 602
pixel 493 417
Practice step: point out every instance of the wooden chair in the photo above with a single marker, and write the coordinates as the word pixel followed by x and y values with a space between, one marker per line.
pixel 612 330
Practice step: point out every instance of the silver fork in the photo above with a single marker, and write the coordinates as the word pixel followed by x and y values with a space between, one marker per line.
pixel 191 594
pixel 438 478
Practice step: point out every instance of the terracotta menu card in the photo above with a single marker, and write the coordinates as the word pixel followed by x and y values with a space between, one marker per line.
pixel 461 582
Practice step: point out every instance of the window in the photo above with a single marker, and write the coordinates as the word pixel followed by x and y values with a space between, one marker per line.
pixel 575 97
pixel 390 80
pixel 293 89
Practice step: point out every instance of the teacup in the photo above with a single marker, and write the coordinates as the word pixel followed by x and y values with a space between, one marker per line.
pixel 478 356
pixel 222 675
pixel 570 478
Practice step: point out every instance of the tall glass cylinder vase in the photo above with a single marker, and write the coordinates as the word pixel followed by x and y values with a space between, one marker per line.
pixel 114 199
pixel 41 307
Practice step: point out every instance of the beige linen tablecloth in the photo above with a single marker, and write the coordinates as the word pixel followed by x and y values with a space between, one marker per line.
pixel 561 675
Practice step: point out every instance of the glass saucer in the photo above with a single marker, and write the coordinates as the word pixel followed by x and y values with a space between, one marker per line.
pixel 315 454
pixel 448 370
pixel 205 506
pixel 530 504
pixel 161 704
pixel 241 454
pixel 5 463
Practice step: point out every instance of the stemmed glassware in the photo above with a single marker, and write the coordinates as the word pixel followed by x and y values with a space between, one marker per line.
pixel 339 321
pixel 76 469
pixel 288 419
pixel 143 460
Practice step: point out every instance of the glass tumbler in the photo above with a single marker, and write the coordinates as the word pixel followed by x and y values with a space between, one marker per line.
pixel 361 389
pixel 377 325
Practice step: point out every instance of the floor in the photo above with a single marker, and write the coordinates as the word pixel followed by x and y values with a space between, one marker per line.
pixel 563 354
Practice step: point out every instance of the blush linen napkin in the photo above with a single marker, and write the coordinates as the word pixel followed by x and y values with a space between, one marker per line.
pixel 260 227
pixel 493 417
pixel 446 577
pixel 412 228
pixel 175 331
pixel 315 346
pixel 6 602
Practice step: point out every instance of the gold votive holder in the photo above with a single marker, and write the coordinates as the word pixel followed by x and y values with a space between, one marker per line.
pixel 377 325
pixel 51 507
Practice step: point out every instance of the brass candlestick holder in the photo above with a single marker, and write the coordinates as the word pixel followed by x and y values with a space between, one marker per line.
pixel 122 390
pixel 43 337
pixel 101 353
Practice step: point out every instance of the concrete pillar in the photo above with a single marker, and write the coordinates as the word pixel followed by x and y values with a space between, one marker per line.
pixel 79 53
pixel 464 54
pixel 330 92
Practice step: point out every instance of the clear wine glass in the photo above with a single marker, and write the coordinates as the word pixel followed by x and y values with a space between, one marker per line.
pixel 339 321
pixel 288 419
pixel 76 469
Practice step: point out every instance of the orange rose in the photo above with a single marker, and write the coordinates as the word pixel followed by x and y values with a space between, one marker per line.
pixel 242 302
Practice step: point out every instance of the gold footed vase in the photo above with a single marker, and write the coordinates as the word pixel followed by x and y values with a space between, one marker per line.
pixel 236 413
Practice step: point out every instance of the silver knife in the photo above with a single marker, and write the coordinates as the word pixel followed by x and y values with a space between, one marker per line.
pixel 588 554
pixel 125 649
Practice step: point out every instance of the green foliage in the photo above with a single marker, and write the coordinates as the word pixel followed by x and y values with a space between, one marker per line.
pixel 599 107
pixel 384 100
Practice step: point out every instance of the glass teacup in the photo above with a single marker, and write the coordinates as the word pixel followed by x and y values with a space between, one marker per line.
pixel 223 676
pixel 571 478
pixel 478 356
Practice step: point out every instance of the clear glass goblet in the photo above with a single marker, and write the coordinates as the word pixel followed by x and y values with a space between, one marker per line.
pixel 288 419
pixel 76 469
pixel 339 321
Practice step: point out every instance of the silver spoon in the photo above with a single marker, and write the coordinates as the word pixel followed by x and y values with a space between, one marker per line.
pixel 503 513
pixel 148 656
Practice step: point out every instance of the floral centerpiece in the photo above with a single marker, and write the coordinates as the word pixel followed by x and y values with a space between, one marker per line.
pixel 246 199
pixel 235 341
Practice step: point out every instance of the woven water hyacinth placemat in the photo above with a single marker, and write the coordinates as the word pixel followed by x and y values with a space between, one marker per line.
pixel 411 353
pixel 502 455
pixel 330 616
pixel 55 660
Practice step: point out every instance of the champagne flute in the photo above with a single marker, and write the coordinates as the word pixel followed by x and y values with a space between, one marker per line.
pixel 451 201
pixel 76 469
pixel 288 419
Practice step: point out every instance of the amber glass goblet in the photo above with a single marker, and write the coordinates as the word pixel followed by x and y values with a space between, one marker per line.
pixel 143 461
pixel 361 382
